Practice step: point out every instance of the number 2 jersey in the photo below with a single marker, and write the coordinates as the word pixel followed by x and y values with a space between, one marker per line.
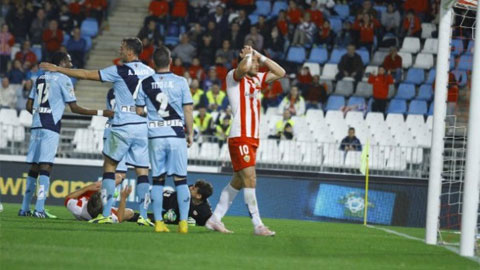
pixel 50 93
pixel 164 94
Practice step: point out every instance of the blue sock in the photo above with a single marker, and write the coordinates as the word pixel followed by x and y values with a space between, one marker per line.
pixel 30 189
pixel 108 189
pixel 143 195
pixel 183 198
pixel 157 198
pixel 44 184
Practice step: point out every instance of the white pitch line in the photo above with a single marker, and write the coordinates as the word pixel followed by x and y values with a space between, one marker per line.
pixel 452 249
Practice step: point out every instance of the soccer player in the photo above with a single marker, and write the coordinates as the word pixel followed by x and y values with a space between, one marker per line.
pixel 244 86
pixel 129 131
pixel 169 111
pixel 46 103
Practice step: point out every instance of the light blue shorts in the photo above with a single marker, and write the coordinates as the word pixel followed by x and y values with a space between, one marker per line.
pixel 168 155
pixel 43 146
pixel 129 142
pixel 122 165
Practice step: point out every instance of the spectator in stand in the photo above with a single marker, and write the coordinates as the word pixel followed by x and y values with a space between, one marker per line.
pixel 221 70
pixel 244 24
pixel 206 52
pixel 216 100
pixel 177 67
pixel 76 47
pixel 212 6
pixel 6 42
pixel 420 7
pixel 18 22
pixel 39 24
pixel 325 36
pixel 235 37
pixel 185 51
pixel 202 123
pixel 22 95
pixel 304 79
pixel 146 56
pixel 196 10
pixel 351 65
pixel 284 127
pixel 294 14
pixel 351 142
pixel 180 10
pixel 196 70
pixel 282 23
pixel 149 31
pixel 391 19
pixel 411 25
pixel 315 14
pixel 345 37
pixel 53 38
pixel 263 26
pixel 271 94
pixel 197 93
pixel 211 79
pixel 380 83
pixel 76 9
pixel 159 10
pixel 26 55
pixel 452 96
pixel 367 8
pixel 316 94
pixel 366 28
pixel 96 9
pixel 275 44
pixel 195 34
pixel 222 130
pixel 50 10
pixel 304 33
pixel 256 37
pixel 8 95
pixel 226 53
pixel 248 5
pixel 213 31
pixel 221 20
pixel 393 63
pixel 16 75
pixel 65 19
pixel 293 102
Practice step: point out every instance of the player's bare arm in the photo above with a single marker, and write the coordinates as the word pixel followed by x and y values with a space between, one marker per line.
pixel 244 66
pixel 141 111
pixel 84 111
pixel 188 112
pixel 29 106
pixel 275 71
pixel 123 202
pixel 83 74
pixel 92 187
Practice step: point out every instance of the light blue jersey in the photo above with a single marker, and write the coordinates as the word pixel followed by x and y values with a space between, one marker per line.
pixel 125 79
pixel 165 94
pixel 50 93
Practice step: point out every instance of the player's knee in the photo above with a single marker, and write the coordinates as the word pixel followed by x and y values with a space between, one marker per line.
pixel 179 180
pixel 158 180
pixel 45 167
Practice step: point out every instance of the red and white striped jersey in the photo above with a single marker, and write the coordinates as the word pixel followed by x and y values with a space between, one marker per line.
pixel 78 207
pixel 244 96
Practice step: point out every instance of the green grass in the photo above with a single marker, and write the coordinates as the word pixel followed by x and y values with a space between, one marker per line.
pixel 28 243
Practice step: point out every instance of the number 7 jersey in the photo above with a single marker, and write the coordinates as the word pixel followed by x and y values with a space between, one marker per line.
pixel 164 94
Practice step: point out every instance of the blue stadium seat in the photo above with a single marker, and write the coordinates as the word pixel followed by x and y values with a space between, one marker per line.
pixel 461 76
pixel 334 103
pixel 263 8
pixel 430 109
pixel 417 107
pixel 296 54
pixel 415 76
pixel 405 91
pixel 318 55
pixel 425 92
pixel 397 106
pixel 336 24
pixel 431 76
pixel 470 46
pixel 337 55
pixel 465 62
pixel 452 61
pixel 89 27
pixel 173 41
pixel 89 43
pixel 66 37
pixel 380 10
pixel 369 105
pixel 457 46
pixel 253 18
pixel 173 30
pixel 365 55
pixel 37 50
pixel 342 10
pixel 277 7
pixel 356 101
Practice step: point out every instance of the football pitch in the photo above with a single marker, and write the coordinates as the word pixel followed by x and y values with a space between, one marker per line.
pixel 64 243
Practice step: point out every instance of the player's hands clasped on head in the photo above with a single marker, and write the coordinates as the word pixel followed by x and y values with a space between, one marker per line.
pixel 48 66
pixel 96 187
pixel 246 50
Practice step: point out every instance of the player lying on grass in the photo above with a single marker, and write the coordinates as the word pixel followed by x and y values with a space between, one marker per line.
pixel 86 202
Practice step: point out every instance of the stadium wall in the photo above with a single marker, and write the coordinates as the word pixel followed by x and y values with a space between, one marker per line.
pixel 315 197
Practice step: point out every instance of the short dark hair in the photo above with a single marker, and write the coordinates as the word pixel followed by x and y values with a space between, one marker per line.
pixel 59 57
pixel 204 188
pixel 134 44
pixel 352 128
pixel 161 57
pixel 94 205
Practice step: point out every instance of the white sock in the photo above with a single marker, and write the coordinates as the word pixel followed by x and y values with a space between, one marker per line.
pixel 252 205
pixel 226 198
